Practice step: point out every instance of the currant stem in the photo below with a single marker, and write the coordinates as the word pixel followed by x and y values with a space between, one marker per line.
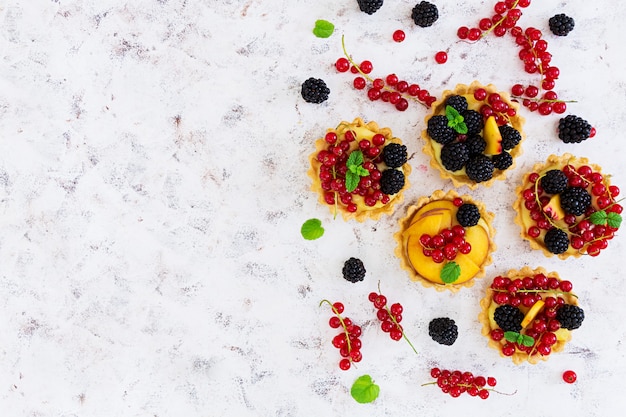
pixel 343 324
pixel 538 291
pixel 470 385
pixel 488 31
pixel 397 324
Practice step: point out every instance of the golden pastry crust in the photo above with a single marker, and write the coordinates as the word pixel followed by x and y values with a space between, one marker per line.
pixel 367 131
pixel 402 247
pixel 520 357
pixel 522 217
pixel 433 149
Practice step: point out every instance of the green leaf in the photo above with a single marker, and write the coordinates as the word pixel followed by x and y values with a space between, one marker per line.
pixel 614 220
pixel 352 181
pixel 312 229
pixel 323 28
pixel 599 217
pixel 450 272
pixel 362 172
pixel 511 336
pixel 455 120
pixel 355 158
pixel 527 340
pixel 364 390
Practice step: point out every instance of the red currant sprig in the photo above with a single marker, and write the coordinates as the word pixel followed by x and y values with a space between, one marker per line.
pixel 446 244
pixel 348 341
pixel 456 383
pixel 390 317
pixel 507 13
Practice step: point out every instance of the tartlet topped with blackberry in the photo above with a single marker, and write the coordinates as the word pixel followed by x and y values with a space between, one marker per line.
pixel 359 170
pixel 445 240
pixel 567 207
pixel 529 314
pixel 473 134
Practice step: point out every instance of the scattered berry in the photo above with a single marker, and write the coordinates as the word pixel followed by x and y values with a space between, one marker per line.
pixel 441 57
pixel 561 24
pixel 370 6
pixel 353 270
pixel 574 129
pixel 424 14
pixel 314 90
pixel 569 376
pixel 399 35
pixel 443 330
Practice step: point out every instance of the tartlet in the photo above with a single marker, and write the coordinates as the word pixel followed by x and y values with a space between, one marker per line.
pixel 567 207
pixel 537 309
pixel 361 155
pixel 483 153
pixel 433 223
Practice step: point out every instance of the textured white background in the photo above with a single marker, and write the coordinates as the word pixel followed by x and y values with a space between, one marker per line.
pixel 153 158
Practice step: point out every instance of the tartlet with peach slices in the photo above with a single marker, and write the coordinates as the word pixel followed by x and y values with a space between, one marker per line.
pixel 529 314
pixel 445 240
pixel 473 135
pixel 360 170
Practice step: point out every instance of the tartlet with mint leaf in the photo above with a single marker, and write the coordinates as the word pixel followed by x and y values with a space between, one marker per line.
pixel 359 170
pixel 473 135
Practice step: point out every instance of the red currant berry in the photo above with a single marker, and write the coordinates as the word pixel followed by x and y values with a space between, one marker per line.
pixel 474 34
pixel 342 65
pixel 379 83
pixel 497 334
pixel 392 79
pixel 569 376
pixel 359 83
pixel 344 364
pixel 441 57
pixel 399 35
pixel 366 67
pixel 462 32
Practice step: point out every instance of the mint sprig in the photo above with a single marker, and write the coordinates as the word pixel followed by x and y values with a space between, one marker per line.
pixel 455 120
pixel 323 28
pixel 520 339
pixel 312 229
pixel 355 170
pixel 450 272
pixel 611 219
pixel 364 390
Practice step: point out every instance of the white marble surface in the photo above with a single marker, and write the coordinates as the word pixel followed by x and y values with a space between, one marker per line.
pixel 153 182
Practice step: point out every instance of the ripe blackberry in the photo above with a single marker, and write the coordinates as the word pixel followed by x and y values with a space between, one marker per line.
pixel 508 318
pixel 475 144
pixel 554 181
pixel 510 137
pixel 561 24
pixel 502 161
pixel 394 155
pixel 459 103
pixel 575 200
pixel 556 241
pixel 314 90
pixel 439 130
pixel 353 270
pixel 570 316
pixel 474 122
pixel 454 155
pixel 574 129
pixel 391 181
pixel 369 6
pixel 479 168
pixel 443 330
pixel 425 14
pixel 468 215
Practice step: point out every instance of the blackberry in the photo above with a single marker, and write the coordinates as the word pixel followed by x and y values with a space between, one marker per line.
pixel 508 318
pixel 474 122
pixel 556 241
pixel 443 330
pixel 561 24
pixel 574 129
pixel 391 181
pixel 510 137
pixel 502 161
pixel 353 270
pixel 424 14
pixel 554 181
pixel 394 155
pixel 475 144
pixel 369 6
pixel 459 103
pixel 468 215
pixel 454 155
pixel 479 168
pixel 575 200
pixel 314 90
pixel 439 130
pixel 570 316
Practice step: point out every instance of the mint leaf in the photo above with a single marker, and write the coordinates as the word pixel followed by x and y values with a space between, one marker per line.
pixel 455 120
pixel 312 229
pixel 599 217
pixel 352 181
pixel 450 272
pixel 362 172
pixel 323 28
pixel 355 158
pixel 614 220
pixel 364 390
pixel 527 340
pixel 511 336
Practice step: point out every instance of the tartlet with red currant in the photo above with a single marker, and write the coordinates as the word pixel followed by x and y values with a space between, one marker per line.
pixel 359 170
pixel 445 240
pixel 567 207
pixel 529 314
pixel 473 134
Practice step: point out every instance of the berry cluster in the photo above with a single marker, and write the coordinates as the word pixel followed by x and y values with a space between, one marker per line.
pixel 347 341
pixel 572 206
pixel 456 383
pixel 507 13
pixel 530 310
pixel 446 244
pixel 390 317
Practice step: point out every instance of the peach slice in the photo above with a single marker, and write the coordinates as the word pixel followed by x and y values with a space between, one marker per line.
pixel 478 237
pixel 532 313
pixel 430 224
pixel 553 208
pixel 491 134
pixel 437 204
